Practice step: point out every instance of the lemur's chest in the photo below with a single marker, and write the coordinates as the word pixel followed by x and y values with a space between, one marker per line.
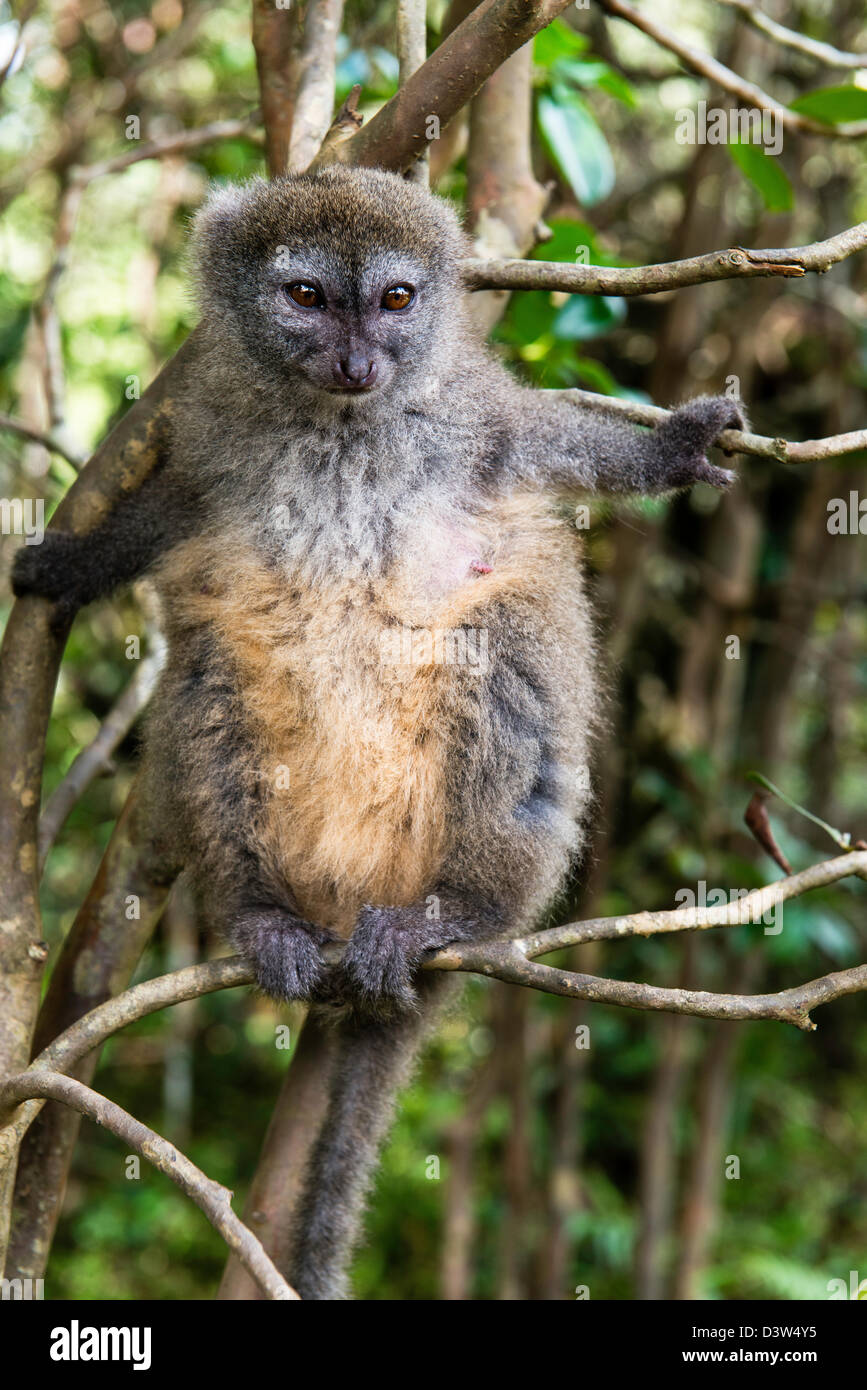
pixel 354 688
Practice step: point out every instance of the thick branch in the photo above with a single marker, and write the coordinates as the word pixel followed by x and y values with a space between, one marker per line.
pixel 314 95
pixel 453 74
pixel 96 961
pixel 732 441
pixel 706 66
pixel 276 36
pixel 737 262
pixel 411 55
pixel 211 1197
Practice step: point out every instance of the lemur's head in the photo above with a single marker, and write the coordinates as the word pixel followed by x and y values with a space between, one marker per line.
pixel 346 280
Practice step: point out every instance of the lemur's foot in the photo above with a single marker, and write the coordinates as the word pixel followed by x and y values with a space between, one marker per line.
pixel 285 952
pixel 688 433
pixel 384 952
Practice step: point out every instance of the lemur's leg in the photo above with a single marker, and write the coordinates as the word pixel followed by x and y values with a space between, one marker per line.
pixel 374 1061
pixel 566 448
pixel 204 793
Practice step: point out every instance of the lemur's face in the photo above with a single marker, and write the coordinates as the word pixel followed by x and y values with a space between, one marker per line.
pixel 345 282
pixel 347 328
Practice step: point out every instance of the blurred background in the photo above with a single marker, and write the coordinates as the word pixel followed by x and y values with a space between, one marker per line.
pixel 522 1165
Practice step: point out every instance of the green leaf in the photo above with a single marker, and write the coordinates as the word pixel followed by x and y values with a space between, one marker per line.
pixel 764 173
pixel 577 147
pixel 592 73
pixel 557 41
pixel 596 376
pixel 532 315
pixel 588 315
pixel 569 235
pixel 833 104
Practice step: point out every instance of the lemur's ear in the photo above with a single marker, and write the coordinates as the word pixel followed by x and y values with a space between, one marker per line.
pixel 218 237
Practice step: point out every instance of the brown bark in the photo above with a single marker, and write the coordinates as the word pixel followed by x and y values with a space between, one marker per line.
pixel 295 1122
pixel 97 961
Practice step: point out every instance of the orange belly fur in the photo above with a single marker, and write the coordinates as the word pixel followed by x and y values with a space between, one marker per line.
pixel 352 748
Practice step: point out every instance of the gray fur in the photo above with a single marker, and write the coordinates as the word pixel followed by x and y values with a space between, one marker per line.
pixel 287 504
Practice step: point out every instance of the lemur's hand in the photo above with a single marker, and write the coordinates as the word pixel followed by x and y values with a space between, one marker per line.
pixel 285 952
pixel 384 951
pixel 684 438
pixel 44 569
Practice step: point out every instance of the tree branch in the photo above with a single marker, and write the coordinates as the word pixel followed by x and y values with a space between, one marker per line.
pixel 801 43
pixel 513 961
pixel 276 34
pixel 93 759
pixel 179 142
pixel 411 55
pixel 96 961
pixel 732 441
pixel 717 72
pixel 314 90
pixel 49 439
pixel 211 1197
pixel 737 262
pixel 453 74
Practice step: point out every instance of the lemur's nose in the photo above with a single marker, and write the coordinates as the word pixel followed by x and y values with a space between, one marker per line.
pixel 356 371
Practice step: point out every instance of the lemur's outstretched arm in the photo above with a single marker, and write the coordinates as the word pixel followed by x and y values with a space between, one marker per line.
pixel 73 570
pixel 568 449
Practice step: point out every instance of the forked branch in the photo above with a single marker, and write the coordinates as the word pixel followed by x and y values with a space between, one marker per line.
pixel 211 1197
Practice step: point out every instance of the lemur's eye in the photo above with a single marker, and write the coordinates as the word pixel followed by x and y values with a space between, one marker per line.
pixel 398 297
pixel 308 296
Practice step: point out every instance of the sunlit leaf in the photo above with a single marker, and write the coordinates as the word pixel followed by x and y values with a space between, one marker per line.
pixel 557 41
pixel 578 148
pixel 833 104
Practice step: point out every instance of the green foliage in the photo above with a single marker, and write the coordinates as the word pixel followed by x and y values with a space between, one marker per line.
pixel 765 173
pixel 797 1107
pixel 833 105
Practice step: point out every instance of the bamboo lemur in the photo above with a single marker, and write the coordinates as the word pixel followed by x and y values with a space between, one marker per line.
pixel 380 698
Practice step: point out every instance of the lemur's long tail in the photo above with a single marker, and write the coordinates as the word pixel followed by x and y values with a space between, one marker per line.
pixel 374 1060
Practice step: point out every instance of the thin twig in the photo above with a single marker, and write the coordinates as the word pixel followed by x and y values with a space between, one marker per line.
pixel 750 908
pixel 729 81
pixel 93 759
pixel 211 1197
pixel 178 142
pixel 47 438
pixel 731 441
pixel 801 43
